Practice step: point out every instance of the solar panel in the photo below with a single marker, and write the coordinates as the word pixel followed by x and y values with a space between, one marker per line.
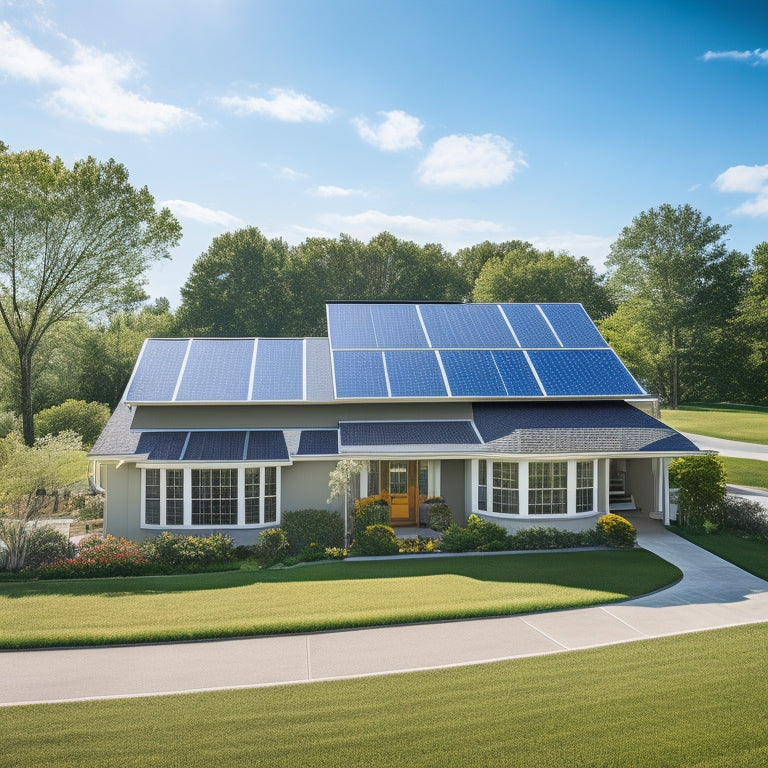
pixel 318 442
pixel 350 326
pixel 583 372
pixel 529 325
pixel 157 371
pixel 472 373
pixel 414 373
pixel 164 446
pixel 267 445
pixel 573 326
pixel 461 326
pixel 397 326
pixel 359 374
pixel 361 433
pixel 215 446
pixel 216 369
pixel 516 374
pixel 279 370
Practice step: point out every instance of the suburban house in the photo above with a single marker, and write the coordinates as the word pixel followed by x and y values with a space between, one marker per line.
pixel 520 413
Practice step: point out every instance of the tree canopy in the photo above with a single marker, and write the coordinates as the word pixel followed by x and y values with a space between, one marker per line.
pixel 73 241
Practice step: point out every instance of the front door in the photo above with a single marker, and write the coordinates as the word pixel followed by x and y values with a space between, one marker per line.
pixel 400 479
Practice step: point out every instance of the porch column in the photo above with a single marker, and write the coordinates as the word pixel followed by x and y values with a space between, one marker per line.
pixel 665 476
pixel 605 486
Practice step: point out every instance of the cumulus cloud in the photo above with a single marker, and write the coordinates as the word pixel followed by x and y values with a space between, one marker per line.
pixel 89 86
pixel 470 162
pixel 185 209
pixel 758 56
pixel 331 191
pixel 283 104
pixel 750 180
pixel 397 131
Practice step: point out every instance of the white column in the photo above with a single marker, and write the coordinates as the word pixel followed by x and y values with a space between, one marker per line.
pixel 665 479
pixel 241 495
pixel 571 489
pixel 187 496
pixel 474 474
pixel 522 487
pixel 363 482
pixel 605 499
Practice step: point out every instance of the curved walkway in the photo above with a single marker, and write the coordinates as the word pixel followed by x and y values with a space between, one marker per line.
pixel 733 448
pixel 712 594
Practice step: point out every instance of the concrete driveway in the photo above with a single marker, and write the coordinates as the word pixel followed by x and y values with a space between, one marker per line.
pixel 712 594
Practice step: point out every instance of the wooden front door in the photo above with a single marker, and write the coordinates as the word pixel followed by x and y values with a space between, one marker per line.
pixel 400 480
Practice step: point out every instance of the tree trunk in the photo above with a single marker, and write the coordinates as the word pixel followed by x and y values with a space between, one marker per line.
pixel 27 416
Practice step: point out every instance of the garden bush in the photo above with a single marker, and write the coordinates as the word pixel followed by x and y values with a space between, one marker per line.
pixel 99 557
pixel 87 419
pixel 377 539
pixel 701 484
pixel 478 535
pixel 46 545
pixel 173 550
pixel 439 517
pixel 737 514
pixel 617 531
pixel 552 538
pixel 273 547
pixel 319 526
pixel 87 507
pixel 371 510
pixel 416 545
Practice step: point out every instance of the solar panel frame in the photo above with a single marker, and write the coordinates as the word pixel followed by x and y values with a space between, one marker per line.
pixel 350 326
pixel 414 373
pixel 466 326
pixel 216 370
pixel 278 372
pixel 359 374
pixel 472 373
pixel 266 445
pixel 573 326
pixel 516 374
pixel 215 446
pixel 157 371
pixel 529 325
pixel 397 326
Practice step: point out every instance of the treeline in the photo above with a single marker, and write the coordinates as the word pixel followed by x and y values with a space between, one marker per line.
pixel 688 315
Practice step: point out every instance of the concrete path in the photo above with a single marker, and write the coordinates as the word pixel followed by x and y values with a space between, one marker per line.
pixel 712 594
pixel 733 448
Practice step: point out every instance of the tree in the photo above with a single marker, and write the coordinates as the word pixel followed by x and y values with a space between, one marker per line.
pixel 85 419
pixel 340 482
pixel 701 487
pixel 237 287
pixel 472 260
pixel 675 266
pixel 527 275
pixel 73 241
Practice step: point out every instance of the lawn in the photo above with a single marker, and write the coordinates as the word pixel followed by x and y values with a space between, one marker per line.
pixel 321 596
pixel 730 422
pixel 747 551
pixel 693 700
pixel 751 472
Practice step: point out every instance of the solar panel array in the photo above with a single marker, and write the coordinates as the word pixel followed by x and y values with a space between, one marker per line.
pixel 218 370
pixel 471 351
pixel 203 445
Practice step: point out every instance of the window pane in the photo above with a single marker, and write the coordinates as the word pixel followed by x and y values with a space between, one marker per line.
pixel 270 494
pixel 423 480
pixel 505 494
pixel 214 497
pixel 547 488
pixel 252 485
pixel 482 486
pixel 585 474
pixel 152 496
pixel 174 496
pixel 373 479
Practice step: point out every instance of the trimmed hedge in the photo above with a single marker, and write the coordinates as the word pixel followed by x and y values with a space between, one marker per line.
pixel 322 527
pixel 377 539
pixel 617 531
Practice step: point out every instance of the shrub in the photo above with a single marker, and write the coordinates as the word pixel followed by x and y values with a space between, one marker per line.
pixel 458 539
pixel 742 515
pixel 416 545
pixel 87 507
pixel 273 547
pixel 552 538
pixel 87 419
pixel 478 535
pixel 246 551
pixel 439 516
pixel 371 510
pixel 701 480
pixel 617 531
pixel 335 553
pixel 377 539
pixel 322 527
pixel 312 552
pixel 99 557
pixel 46 545
pixel 9 422
pixel 174 550
pixel 488 534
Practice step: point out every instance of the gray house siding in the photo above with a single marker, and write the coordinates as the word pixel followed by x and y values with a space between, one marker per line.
pixel 452 485
pixel 305 486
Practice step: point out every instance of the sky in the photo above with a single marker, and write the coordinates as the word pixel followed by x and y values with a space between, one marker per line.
pixel 551 121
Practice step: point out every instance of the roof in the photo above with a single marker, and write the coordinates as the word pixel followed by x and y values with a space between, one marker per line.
pixel 394 351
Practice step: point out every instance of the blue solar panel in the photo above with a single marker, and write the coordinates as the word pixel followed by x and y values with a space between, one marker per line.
pixel 217 369
pixel 397 326
pixel 529 325
pixel 165 446
pixel 267 445
pixel 215 446
pixel 154 380
pixel 350 326
pixel 516 373
pixel 414 373
pixel 279 370
pixel 583 372
pixel 319 442
pixel 472 373
pixel 573 326
pixel 359 374
pixel 466 326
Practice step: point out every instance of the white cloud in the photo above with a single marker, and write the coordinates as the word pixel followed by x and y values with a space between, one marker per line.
pixel 290 175
pixel 746 179
pixel 89 86
pixel 594 247
pixel 283 104
pixel 331 191
pixel 185 209
pixel 396 132
pixel 470 162
pixel 757 56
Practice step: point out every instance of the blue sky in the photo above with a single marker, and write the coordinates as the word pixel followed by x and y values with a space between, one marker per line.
pixel 455 122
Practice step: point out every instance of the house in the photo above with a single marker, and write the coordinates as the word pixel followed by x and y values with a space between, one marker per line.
pixel 520 413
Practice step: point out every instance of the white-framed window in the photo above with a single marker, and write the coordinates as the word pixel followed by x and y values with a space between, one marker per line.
pixel 534 488
pixel 210 497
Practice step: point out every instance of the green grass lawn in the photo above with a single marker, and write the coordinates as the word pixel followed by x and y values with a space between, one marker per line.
pixel 692 701
pixel 747 551
pixel 322 596
pixel 730 422
pixel 752 472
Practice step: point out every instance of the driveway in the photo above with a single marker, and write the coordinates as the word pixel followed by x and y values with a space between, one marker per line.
pixel 712 594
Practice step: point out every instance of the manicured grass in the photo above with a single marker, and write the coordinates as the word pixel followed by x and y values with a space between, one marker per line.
pixel 692 700
pixel 742 549
pixel 322 596
pixel 751 472
pixel 723 421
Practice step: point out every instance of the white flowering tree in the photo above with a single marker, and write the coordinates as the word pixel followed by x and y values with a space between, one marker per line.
pixel 340 482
